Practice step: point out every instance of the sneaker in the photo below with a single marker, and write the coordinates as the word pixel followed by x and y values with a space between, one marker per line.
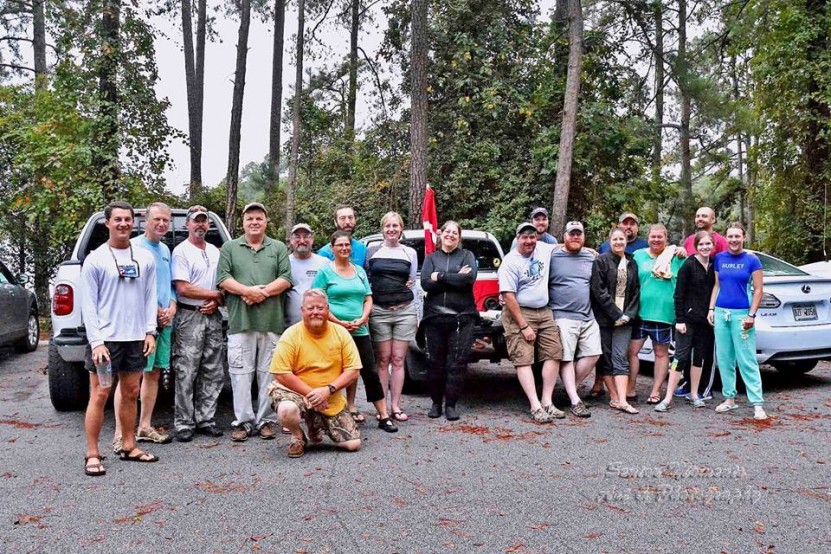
pixel 435 411
pixel 184 435
pixel 662 406
pixel 297 447
pixel 117 445
pixel 450 413
pixel 152 435
pixel 552 410
pixel 239 433
pixel 211 430
pixel 266 431
pixel 580 410
pixel 726 407
pixel 541 416
pixel 681 392
pixel 699 403
pixel 759 413
pixel 386 424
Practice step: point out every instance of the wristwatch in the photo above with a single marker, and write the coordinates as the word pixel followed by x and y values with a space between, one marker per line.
pixel 331 388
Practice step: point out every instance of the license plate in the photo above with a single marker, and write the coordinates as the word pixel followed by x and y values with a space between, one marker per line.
pixel 804 312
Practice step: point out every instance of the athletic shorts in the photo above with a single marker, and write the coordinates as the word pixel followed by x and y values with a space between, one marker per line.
pixel 125 357
pixel 398 324
pixel 161 356
pixel 579 338
pixel 339 427
pixel 660 333
pixel 547 344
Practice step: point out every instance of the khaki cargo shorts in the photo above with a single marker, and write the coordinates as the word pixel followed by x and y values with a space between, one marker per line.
pixel 339 427
pixel 547 345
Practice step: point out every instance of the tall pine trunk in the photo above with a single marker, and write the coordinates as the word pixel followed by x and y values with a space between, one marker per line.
pixel 232 177
pixel 352 96
pixel 296 122
pixel 569 127
pixel 419 113
pixel 657 137
pixel 105 154
pixel 273 181
pixel 683 77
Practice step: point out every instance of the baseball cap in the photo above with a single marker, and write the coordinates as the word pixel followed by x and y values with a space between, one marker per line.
pixel 574 226
pixel 538 211
pixel 523 226
pixel 255 206
pixel 628 215
pixel 302 227
pixel 196 211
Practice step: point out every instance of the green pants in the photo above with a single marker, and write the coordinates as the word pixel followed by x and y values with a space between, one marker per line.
pixel 737 347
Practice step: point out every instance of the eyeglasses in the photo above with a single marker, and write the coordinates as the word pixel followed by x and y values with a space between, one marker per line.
pixel 347 245
pixel 127 271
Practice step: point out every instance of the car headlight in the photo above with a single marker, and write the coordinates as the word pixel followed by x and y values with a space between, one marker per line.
pixel 769 301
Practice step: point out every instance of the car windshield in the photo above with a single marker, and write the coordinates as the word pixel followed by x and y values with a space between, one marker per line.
pixel 774 267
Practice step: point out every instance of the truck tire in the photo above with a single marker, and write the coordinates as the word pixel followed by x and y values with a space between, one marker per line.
pixel 29 343
pixel 415 370
pixel 68 383
pixel 796 367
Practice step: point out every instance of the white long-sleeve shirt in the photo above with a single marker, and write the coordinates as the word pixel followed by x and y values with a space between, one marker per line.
pixel 114 308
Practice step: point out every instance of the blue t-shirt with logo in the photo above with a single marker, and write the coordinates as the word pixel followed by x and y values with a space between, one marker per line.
pixel 735 273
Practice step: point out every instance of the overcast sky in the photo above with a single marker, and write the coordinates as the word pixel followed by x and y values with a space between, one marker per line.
pixel 220 60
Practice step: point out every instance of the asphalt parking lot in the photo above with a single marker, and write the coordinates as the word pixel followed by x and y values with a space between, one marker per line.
pixel 684 481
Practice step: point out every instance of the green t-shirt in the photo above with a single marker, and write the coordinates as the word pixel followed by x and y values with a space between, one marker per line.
pixel 251 267
pixel 657 295
pixel 346 295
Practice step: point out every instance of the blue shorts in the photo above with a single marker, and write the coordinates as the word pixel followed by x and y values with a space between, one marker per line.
pixel 660 333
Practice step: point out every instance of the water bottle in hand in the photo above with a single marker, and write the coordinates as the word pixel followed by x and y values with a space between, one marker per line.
pixel 104 370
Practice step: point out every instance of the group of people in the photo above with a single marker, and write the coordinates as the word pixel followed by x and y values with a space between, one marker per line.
pixel 303 326
pixel 571 309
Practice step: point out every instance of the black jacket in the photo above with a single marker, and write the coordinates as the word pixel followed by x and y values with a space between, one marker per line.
pixel 693 288
pixel 452 294
pixel 603 284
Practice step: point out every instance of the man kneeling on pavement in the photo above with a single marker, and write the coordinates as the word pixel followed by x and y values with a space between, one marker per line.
pixel 313 361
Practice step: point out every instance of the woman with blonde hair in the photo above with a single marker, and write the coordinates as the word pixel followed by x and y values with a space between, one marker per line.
pixel 392 269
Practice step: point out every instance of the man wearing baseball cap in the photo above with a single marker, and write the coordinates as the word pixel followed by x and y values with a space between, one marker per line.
pixel 629 223
pixel 304 266
pixel 539 219
pixel 530 331
pixel 254 271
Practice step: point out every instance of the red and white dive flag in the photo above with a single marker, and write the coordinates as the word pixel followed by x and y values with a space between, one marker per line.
pixel 430 220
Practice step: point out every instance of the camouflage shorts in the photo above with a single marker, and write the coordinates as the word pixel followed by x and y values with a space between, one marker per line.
pixel 339 427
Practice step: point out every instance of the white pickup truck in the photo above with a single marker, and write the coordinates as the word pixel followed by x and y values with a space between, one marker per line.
pixel 68 381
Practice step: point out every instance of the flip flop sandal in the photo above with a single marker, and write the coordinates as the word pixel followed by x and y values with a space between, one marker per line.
pixel 400 416
pixel 357 416
pixel 628 409
pixel 142 457
pixel 614 405
pixel 653 400
pixel 94 470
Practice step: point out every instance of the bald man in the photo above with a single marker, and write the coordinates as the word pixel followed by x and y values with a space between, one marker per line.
pixel 705 218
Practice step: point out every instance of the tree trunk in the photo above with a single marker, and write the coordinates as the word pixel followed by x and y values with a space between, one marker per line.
pixel 194 115
pixel 353 69
pixel 273 183
pixel 105 155
pixel 40 241
pixel 657 138
pixel 682 74
pixel 739 144
pixel 232 177
pixel 751 188
pixel 569 127
pixel 39 43
pixel 296 122
pixel 419 114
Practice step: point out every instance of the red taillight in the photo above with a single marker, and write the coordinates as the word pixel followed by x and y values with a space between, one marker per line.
pixel 63 300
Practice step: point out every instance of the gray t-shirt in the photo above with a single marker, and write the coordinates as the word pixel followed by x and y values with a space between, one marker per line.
pixel 568 284
pixel 527 277
pixel 302 274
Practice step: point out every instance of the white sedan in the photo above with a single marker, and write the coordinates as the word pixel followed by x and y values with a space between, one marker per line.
pixel 793 325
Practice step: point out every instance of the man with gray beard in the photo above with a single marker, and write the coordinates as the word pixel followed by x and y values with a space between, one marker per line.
pixel 198 343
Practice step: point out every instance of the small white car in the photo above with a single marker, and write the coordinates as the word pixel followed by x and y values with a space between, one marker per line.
pixel 793 325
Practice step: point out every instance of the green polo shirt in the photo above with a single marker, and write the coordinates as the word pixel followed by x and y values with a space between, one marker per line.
pixel 251 267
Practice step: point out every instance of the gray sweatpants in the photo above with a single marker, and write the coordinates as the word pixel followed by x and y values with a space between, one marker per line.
pixel 198 356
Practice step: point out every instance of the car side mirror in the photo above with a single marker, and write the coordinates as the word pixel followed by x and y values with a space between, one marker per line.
pixel 23 279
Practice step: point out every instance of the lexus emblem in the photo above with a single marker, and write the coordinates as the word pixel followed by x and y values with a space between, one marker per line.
pixel 806 289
